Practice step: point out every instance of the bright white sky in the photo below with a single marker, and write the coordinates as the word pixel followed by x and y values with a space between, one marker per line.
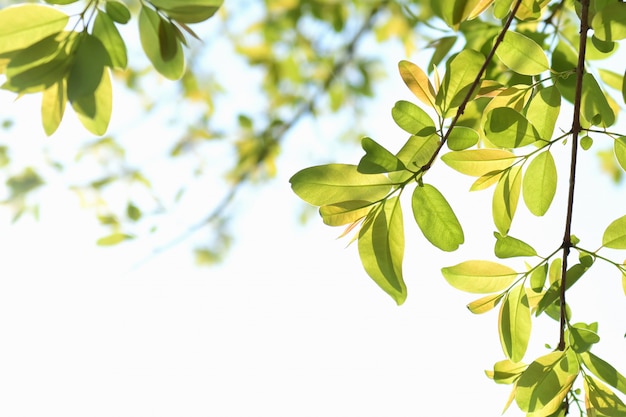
pixel 289 325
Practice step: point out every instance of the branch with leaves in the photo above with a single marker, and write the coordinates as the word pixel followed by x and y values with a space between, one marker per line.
pixel 502 98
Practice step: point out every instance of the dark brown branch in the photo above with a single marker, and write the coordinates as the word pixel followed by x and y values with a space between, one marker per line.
pixel 474 85
pixel 277 132
pixel 576 129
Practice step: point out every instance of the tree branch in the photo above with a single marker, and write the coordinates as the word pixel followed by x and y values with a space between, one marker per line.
pixel 576 129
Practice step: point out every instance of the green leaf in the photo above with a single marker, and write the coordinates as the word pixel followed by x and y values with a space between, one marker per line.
pixel 610 23
pixel 25 24
pixel 581 337
pixel 462 138
pixel 522 54
pixel 334 183
pixel 345 212
pixel 615 234
pixel 586 142
pixel 510 247
pixel 381 248
pixel 619 147
pixel 543 111
pixel 461 72
pixel 603 399
pixel 553 293
pixel 104 29
pixel 377 159
pixel 546 382
pixel 479 277
pixel 151 33
pixel 418 150
pixel 478 162
pixel 94 110
pixel 442 48
pixel 514 324
pixel 539 184
pixel 485 304
pixel 88 68
pixel 507 372
pixel 53 102
pixel 418 82
pixel 117 11
pixel 435 218
pixel 507 128
pixel 133 212
pixel 113 239
pixel 605 371
pixel 188 11
pixel 453 12
pixel 505 199
pixel 502 8
pixel 595 107
pixel 538 278
pixel 412 119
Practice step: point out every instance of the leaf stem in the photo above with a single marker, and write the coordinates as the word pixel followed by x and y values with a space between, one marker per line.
pixel 576 129
pixel 474 85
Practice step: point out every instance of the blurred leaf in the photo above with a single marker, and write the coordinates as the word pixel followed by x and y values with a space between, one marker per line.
pixel 24 24
pixel 113 239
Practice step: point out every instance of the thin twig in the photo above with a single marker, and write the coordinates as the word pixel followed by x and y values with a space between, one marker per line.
pixel 278 132
pixel 474 85
pixel 576 129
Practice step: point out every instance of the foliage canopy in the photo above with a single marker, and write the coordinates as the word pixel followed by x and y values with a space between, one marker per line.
pixel 490 104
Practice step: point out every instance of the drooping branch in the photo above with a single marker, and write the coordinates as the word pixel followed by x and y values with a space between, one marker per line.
pixel 276 132
pixel 576 129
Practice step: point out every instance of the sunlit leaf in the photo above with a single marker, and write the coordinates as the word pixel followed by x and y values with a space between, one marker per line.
pixel 188 11
pixel 113 239
pixel 149 25
pixel 94 110
pixel 435 218
pixel 377 159
pixel 23 25
pixel 619 147
pixel 86 73
pixel 461 72
pixel 543 111
pixel 522 55
pixel 478 162
pixel 381 248
pixel 610 23
pixel 539 185
pixel 508 128
pixel 505 199
pixel 453 12
pixel 514 324
pixel 582 337
pixel 334 183
pixel 507 372
pixel 104 29
pixel 418 82
pixel 510 247
pixel 553 293
pixel 117 11
pixel 462 138
pixel 412 119
pixel 615 234
pixel 605 371
pixel 603 399
pixel 345 212
pixel 546 382
pixel 480 277
pixel 53 102
pixel 538 278
pixel 415 153
pixel 595 107
pixel 485 304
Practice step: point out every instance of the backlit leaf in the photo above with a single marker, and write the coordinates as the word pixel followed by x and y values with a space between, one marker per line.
pixel 485 304
pixel 538 278
pixel 595 107
pixel 507 372
pixel 462 138
pixel 149 25
pixel 418 82
pixel 453 12
pixel 615 234
pixel 23 25
pixel 435 218
pixel 510 247
pixel 505 199
pixel 345 212
pixel 94 110
pixel 605 371
pixel 117 11
pixel 478 162
pixel 546 382
pixel 412 119
pixel 90 61
pixel 543 111
pixel 480 277
pixel 619 147
pixel 603 399
pixel 381 248
pixel 334 183
pixel 415 153
pixel 508 128
pixel 582 337
pixel 104 29
pixel 610 23
pixel 515 324
pixel 522 55
pixel 539 184
pixel 188 11
pixel 461 72
pixel 377 159
pixel 113 239
pixel 53 102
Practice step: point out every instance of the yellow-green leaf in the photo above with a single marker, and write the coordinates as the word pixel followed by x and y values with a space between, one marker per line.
pixel 480 277
pixel 485 304
pixel 505 199
pixel 462 138
pixel 507 372
pixel 514 324
pixel 508 128
pixel 435 218
pixel 610 23
pixel 149 26
pixel 381 248
pixel 345 212
pixel 619 147
pixel 412 119
pixel 334 183
pixel 595 107
pixel 615 234
pixel 543 111
pixel 522 54
pixel 113 239
pixel 25 24
pixel 603 399
pixel 53 102
pixel 605 371
pixel 461 73
pixel 539 184
pixel 94 110
pixel 104 29
pixel 418 82
pixel 478 162
pixel 378 159
pixel 510 247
